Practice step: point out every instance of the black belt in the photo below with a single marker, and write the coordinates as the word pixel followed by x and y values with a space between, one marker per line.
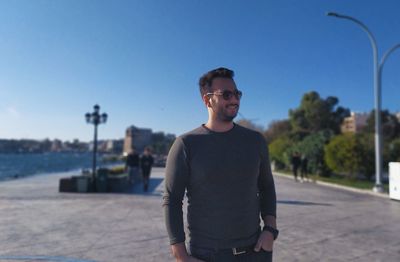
pixel 238 250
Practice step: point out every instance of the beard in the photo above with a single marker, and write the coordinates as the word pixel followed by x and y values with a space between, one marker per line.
pixel 224 114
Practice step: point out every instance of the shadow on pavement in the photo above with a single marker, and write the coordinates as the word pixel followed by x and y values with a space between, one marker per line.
pixel 301 203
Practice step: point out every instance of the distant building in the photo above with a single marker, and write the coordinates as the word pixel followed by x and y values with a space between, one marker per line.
pixel 56 146
pixel 354 123
pixel 398 116
pixel 102 146
pixel 137 138
pixel 114 146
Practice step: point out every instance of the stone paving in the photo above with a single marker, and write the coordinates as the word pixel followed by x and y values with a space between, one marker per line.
pixel 317 223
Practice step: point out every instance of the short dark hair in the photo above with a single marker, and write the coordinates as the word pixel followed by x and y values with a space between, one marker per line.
pixel 205 81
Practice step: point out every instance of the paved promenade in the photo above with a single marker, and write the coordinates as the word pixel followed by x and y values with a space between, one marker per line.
pixel 317 223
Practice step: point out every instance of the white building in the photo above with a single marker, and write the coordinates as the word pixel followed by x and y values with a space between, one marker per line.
pixel 354 123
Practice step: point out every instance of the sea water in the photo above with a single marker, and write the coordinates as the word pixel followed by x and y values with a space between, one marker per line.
pixel 21 165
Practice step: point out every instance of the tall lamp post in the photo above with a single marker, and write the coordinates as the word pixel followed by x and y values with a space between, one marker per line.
pixel 95 118
pixel 377 90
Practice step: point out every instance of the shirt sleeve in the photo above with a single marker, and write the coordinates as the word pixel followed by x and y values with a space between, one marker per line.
pixel 266 183
pixel 176 179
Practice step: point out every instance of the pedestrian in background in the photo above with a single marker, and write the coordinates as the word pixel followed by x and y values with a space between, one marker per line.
pixel 146 162
pixel 304 168
pixel 132 165
pixel 295 161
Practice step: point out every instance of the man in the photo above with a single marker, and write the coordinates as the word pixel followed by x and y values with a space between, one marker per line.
pixel 304 168
pixel 226 171
pixel 132 165
pixel 295 161
pixel 146 162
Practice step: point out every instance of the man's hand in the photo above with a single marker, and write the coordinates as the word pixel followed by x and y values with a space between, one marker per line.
pixel 181 255
pixel 265 241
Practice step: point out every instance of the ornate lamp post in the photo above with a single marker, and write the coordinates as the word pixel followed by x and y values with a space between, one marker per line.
pixel 95 118
pixel 377 87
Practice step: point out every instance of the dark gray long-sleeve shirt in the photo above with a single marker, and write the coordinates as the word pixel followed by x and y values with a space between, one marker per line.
pixel 229 185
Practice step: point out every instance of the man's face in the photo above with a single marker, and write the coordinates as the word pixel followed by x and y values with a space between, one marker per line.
pixel 224 110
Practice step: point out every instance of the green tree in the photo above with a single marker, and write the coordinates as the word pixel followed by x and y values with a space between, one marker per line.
pixel 313 148
pixel 278 151
pixel 341 155
pixel 315 114
pixel 367 154
pixel 389 123
pixel 351 155
pixel 394 150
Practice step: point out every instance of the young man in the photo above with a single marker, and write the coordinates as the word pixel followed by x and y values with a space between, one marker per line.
pixel 146 162
pixel 304 168
pixel 226 172
pixel 132 165
pixel 296 162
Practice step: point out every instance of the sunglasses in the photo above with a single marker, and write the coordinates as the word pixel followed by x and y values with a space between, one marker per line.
pixel 227 95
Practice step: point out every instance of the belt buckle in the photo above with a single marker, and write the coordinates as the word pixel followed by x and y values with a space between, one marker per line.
pixel 236 252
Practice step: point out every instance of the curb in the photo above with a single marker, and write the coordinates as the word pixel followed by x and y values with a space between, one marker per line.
pixel 355 190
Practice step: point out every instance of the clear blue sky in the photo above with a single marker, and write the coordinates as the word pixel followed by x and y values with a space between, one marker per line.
pixel 141 60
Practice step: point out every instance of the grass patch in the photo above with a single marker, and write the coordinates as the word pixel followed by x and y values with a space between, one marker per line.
pixel 117 170
pixel 123 175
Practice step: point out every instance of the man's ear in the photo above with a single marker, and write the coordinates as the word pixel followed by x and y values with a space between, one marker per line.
pixel 207 100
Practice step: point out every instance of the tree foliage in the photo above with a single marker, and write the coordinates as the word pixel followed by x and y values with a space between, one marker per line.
pixel 367 153
pixel 389 123
pixel 351 155
pixel 278 151
pixel 313 148
pixel 313 129
pixel 394 150
pixel 341 155
pixel 315 114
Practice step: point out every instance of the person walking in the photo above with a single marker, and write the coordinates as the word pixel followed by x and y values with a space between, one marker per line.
pixel 146 162
pixel 225 170
pixel 296 161
pixel 132 165
pixel 304 168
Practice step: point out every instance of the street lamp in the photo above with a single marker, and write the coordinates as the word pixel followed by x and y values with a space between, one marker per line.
pixel 377 90
pixel 95 118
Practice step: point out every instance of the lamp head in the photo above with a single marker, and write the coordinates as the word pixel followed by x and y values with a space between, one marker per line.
pixel 332 14
pixel 88 117
pixel 104 117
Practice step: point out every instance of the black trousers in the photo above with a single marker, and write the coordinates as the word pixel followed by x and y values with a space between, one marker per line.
pixel 226 255
pixel 295 168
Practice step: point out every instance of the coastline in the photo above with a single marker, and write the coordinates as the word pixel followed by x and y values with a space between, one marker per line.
pixel 71 172
pixel 40 176
pixel 20 166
